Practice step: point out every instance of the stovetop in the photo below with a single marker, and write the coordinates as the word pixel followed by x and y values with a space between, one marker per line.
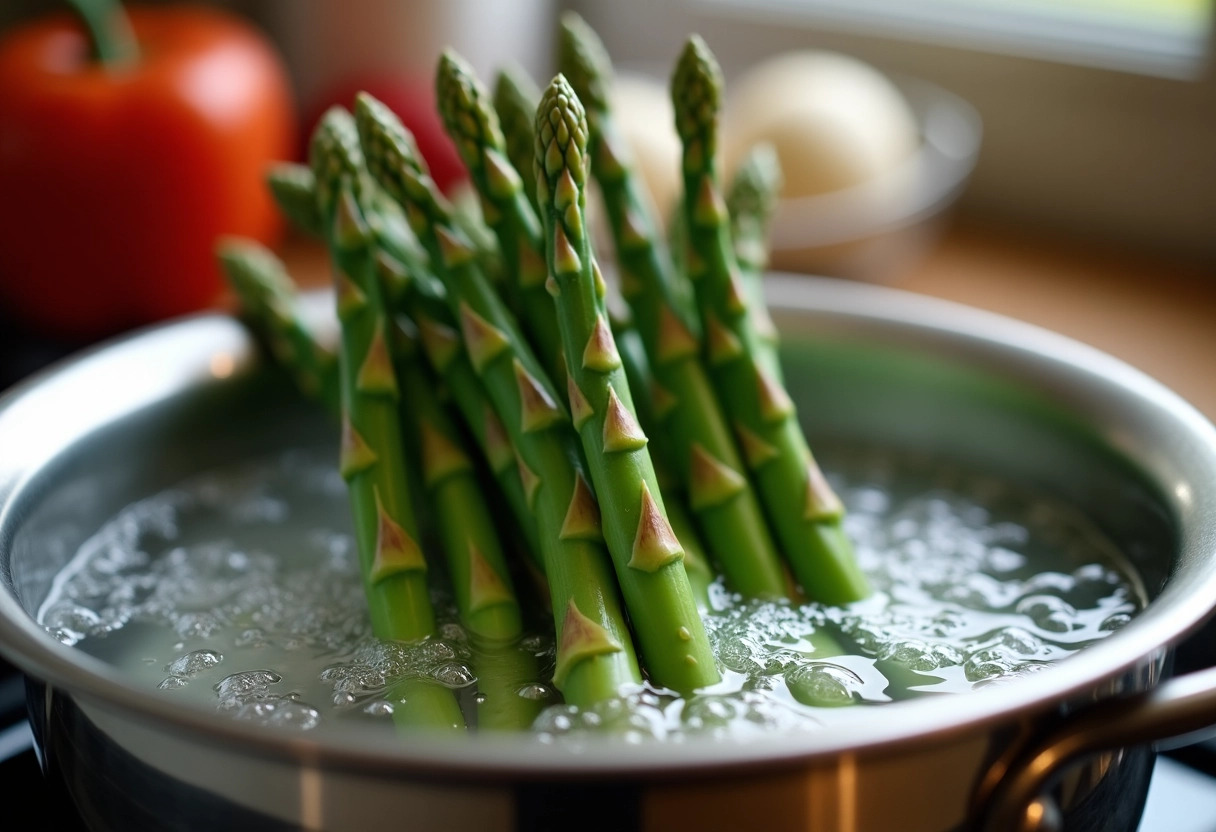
pixel 1182 797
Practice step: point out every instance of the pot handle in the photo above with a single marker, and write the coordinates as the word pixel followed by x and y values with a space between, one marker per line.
pixel 1175 708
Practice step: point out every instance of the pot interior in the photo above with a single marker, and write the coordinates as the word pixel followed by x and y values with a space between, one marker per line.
pixel 863 364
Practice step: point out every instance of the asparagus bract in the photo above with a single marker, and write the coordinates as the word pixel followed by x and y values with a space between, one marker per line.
pixel 268 300
pixel 393 568
pixel 644 548
pixel 515 100
pixel 595 654
pixel 751 200
pixel 473 126
pixel 703 451
pixel 806 513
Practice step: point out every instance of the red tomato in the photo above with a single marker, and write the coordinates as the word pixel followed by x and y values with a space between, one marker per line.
pixel 116 182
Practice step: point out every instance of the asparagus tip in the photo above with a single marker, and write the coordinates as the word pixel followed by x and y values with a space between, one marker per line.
pixel 335 156
pixel 561 142
pixel 585 61
pixel 696 89
pixel 513 80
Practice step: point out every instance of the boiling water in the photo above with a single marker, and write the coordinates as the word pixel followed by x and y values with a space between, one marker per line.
pixel 239 590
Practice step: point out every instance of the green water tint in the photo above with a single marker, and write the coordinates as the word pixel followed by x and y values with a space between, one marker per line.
pixel 239 591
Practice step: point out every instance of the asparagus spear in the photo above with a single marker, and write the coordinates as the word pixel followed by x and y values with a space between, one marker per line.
pixel 485 599
pixel 595 655
pixel 637 371
pixel 703 451
pixel 394 571
pixel 409 287
pixel 481 582
pixel 473 125
pixel 802 506
pixel 515 100
pixel 645 550
pixel 751 200
pixel 267 297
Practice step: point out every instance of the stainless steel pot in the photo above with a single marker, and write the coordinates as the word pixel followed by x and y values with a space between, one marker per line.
pixel 1067 745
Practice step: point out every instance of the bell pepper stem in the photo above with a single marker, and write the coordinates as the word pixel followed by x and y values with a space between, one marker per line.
pixel 110 34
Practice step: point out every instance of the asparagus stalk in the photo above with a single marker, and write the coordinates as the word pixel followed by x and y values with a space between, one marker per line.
pixel 595 654
pixel 394 571
pixel 268 301
pixel 801 505
pixel 703 451
pixel 645 550
pixel 515 99
pixel 473 126
pixel 751 200
pixel 409 287
pixel 481 582
pixel 637 371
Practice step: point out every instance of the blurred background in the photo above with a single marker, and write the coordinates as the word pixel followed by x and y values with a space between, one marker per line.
pixel 1053 160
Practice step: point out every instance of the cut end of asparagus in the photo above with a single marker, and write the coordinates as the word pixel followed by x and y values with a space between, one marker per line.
pixel 696 92
pixel 583 59
pixel 335 156
pixel 561 146
pixel 464 106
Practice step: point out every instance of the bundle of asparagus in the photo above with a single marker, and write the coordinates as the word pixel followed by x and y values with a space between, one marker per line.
pixel 619 427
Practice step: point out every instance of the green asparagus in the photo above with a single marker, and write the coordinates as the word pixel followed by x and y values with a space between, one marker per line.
pixel 515 100
pixel 645 550
pixel 805 512
pixel 393 567
pixel 404 271
pixel 267 296
pixel 294 190
pixel 702 448
pixel 595 654
pixel 751 200
pixel 473 126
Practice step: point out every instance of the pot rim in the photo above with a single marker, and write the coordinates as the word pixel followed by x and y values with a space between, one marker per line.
pixel 195 342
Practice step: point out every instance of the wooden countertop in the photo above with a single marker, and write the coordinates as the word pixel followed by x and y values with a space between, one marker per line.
pixel 1157 315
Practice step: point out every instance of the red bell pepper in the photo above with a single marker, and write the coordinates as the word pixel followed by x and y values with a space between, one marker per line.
pixel 126 149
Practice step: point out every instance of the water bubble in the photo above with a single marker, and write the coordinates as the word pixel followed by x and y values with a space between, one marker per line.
pixel 194 663
pixel 453 675
pixel 378 707
pixel 1048 612
pixel 823 684
pixel 535 691
pixel 172 683
pixel 1115 622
